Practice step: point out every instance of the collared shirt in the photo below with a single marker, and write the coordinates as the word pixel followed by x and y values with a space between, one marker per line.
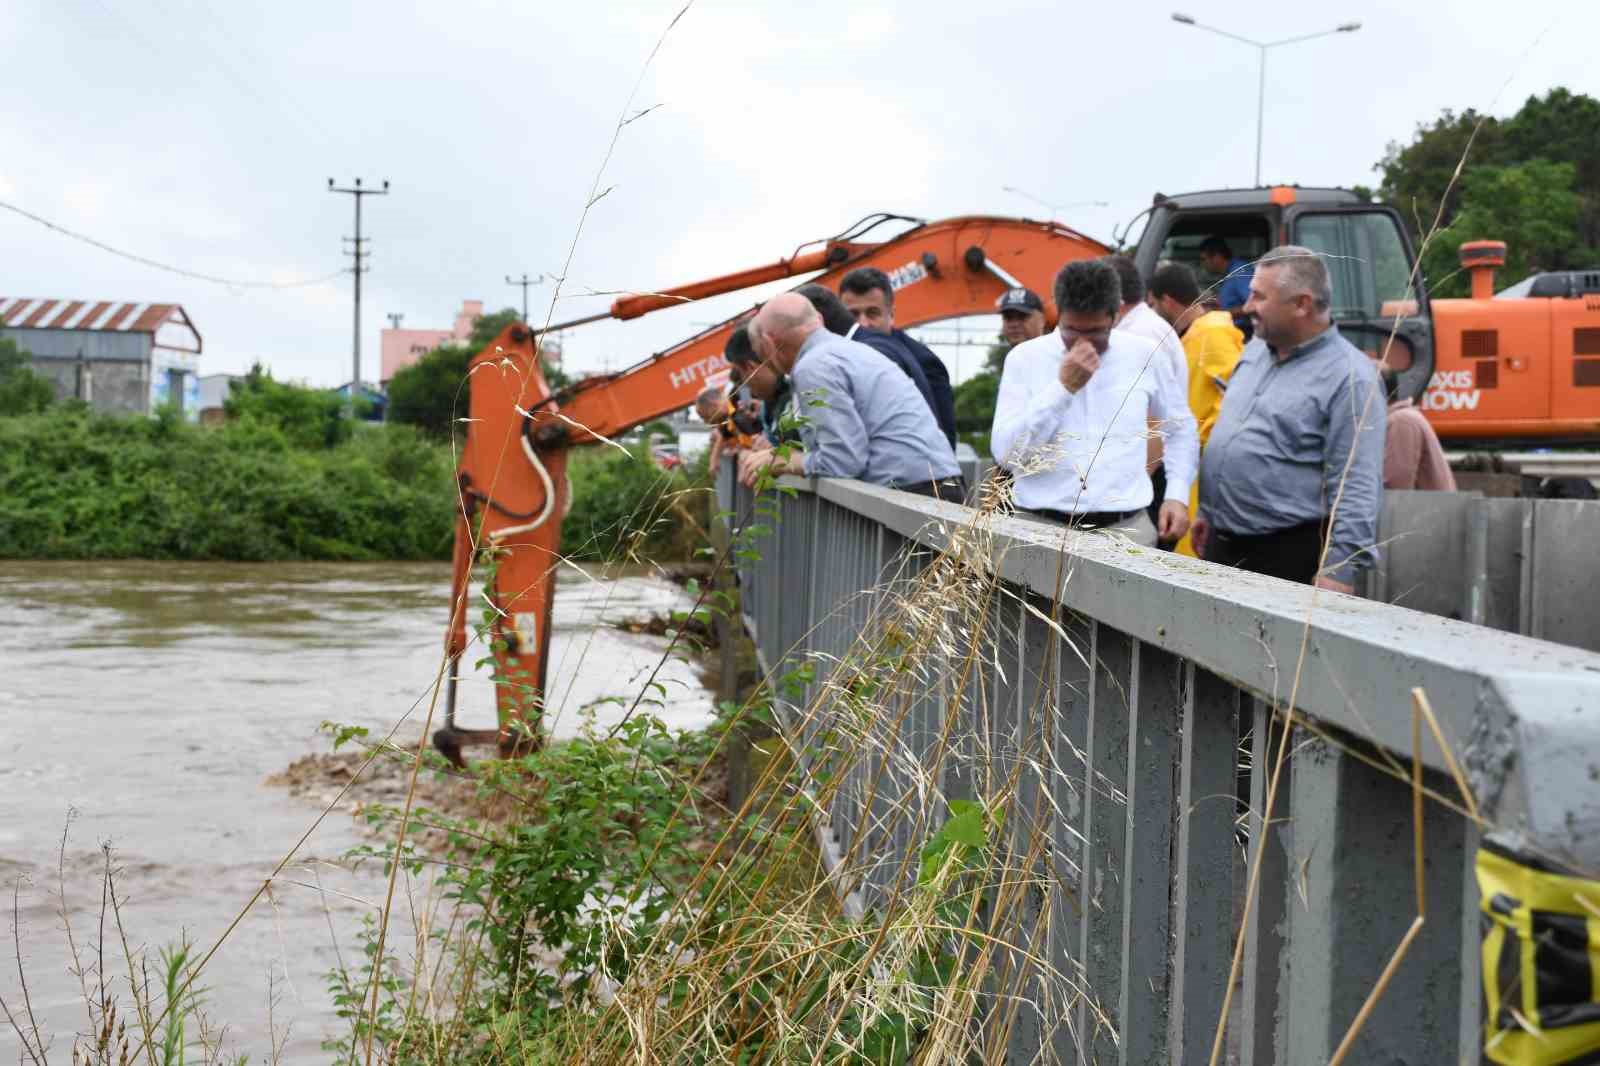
pixel 1143 321
pixel 1085 451
pixel 901 356
pixel 1212 345
pixel 1282 441
pixel 1235 287
pixel 1412 455
pixel 863 418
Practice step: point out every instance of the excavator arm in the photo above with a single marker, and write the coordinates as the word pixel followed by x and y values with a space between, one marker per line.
pixel 512 483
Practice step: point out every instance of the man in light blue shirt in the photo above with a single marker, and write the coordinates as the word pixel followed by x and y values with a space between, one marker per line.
pixel 861 416
pixel 1292 479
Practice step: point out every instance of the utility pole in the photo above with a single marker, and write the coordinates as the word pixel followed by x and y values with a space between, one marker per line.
pixel 525 281
pixel 360 253
pixel 394 318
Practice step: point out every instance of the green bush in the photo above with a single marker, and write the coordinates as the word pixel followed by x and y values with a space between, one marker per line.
pixel 624 504
pixel 309 418
pixel 22 392
pixel 79 485
pixel 74 485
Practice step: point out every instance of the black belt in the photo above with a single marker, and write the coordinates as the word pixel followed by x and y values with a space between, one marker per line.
pixel 1085 519
pixel 950 489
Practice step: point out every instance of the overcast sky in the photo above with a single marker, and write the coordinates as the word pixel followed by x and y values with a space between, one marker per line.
pixel 203 135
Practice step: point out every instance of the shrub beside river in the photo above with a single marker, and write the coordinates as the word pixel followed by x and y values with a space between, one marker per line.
pixel 287 486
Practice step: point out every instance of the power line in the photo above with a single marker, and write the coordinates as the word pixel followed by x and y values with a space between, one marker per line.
pixel 180 271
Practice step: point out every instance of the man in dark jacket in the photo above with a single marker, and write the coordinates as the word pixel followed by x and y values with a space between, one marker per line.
pixel 870 297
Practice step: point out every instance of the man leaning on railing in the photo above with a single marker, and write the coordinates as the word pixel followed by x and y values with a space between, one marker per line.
pixel 861 417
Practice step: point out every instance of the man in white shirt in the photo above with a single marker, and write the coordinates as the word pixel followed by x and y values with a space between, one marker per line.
pixel 1073 416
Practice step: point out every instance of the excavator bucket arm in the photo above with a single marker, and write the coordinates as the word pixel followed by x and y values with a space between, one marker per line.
pixel 513 489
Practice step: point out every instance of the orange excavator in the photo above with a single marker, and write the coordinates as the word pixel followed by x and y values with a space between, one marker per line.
pixel 513 489
pixel 1521 367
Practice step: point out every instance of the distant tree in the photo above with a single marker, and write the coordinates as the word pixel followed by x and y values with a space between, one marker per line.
pixel 1563 127
pixel 426 393
pixel 975 400
pixel 309 418
pixel 1531 207
pixel 1532 180
pixel 1416 175
pixel 430 394
pixel 22 392
pixel 995 358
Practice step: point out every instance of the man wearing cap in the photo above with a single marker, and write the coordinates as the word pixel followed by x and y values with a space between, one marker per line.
pixel 1021 316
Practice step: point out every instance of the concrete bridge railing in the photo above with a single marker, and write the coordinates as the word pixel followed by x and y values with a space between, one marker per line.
pixel 1117 684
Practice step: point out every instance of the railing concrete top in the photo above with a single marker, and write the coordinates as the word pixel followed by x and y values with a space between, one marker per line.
pixel 1521 715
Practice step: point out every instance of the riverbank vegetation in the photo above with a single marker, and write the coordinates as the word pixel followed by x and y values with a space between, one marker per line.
pixel 289 477
pixel 629 910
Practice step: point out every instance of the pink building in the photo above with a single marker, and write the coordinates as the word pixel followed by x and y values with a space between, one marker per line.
pixel 402 347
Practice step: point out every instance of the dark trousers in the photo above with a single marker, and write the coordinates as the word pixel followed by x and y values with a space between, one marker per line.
pixel 1292 554
pixel 950 489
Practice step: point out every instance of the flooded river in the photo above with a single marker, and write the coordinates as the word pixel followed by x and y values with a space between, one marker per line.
pixel 150 703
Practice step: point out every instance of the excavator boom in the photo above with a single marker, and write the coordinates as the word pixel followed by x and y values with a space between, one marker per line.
pixel 513 489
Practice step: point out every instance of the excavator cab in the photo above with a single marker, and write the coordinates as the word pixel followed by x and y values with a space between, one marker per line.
pixel 1376 304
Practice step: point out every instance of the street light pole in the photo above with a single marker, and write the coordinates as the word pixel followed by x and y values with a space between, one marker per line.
pixel 1261 47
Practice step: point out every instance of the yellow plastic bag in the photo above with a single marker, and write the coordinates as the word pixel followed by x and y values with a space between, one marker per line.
pixel 1541 963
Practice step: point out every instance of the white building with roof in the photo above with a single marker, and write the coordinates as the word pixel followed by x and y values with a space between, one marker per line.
pixel 128 358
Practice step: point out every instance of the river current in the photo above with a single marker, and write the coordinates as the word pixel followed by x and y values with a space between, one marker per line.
pixel 145 705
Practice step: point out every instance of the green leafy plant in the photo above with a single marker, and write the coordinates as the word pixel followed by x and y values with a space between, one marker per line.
pixel 22 390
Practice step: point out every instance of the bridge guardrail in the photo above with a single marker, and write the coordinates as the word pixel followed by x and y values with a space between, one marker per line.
pixel 1119 684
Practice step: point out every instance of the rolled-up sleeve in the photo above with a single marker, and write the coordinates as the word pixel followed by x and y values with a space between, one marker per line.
pixel 1352 472
pixel 831 431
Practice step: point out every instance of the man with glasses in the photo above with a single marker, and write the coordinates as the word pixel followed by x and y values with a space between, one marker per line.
pixel 1073 416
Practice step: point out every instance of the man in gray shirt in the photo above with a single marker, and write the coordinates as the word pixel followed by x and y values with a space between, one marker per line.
pixel 862 417
pixel 1296 455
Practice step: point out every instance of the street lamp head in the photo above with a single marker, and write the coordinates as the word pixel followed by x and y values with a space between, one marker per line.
pixel 1187 20
pixel 1349 27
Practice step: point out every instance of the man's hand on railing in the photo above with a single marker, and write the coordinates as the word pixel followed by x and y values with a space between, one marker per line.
pixel 753 464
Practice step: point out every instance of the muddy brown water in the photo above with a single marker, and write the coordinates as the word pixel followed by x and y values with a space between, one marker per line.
pixel 149 703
